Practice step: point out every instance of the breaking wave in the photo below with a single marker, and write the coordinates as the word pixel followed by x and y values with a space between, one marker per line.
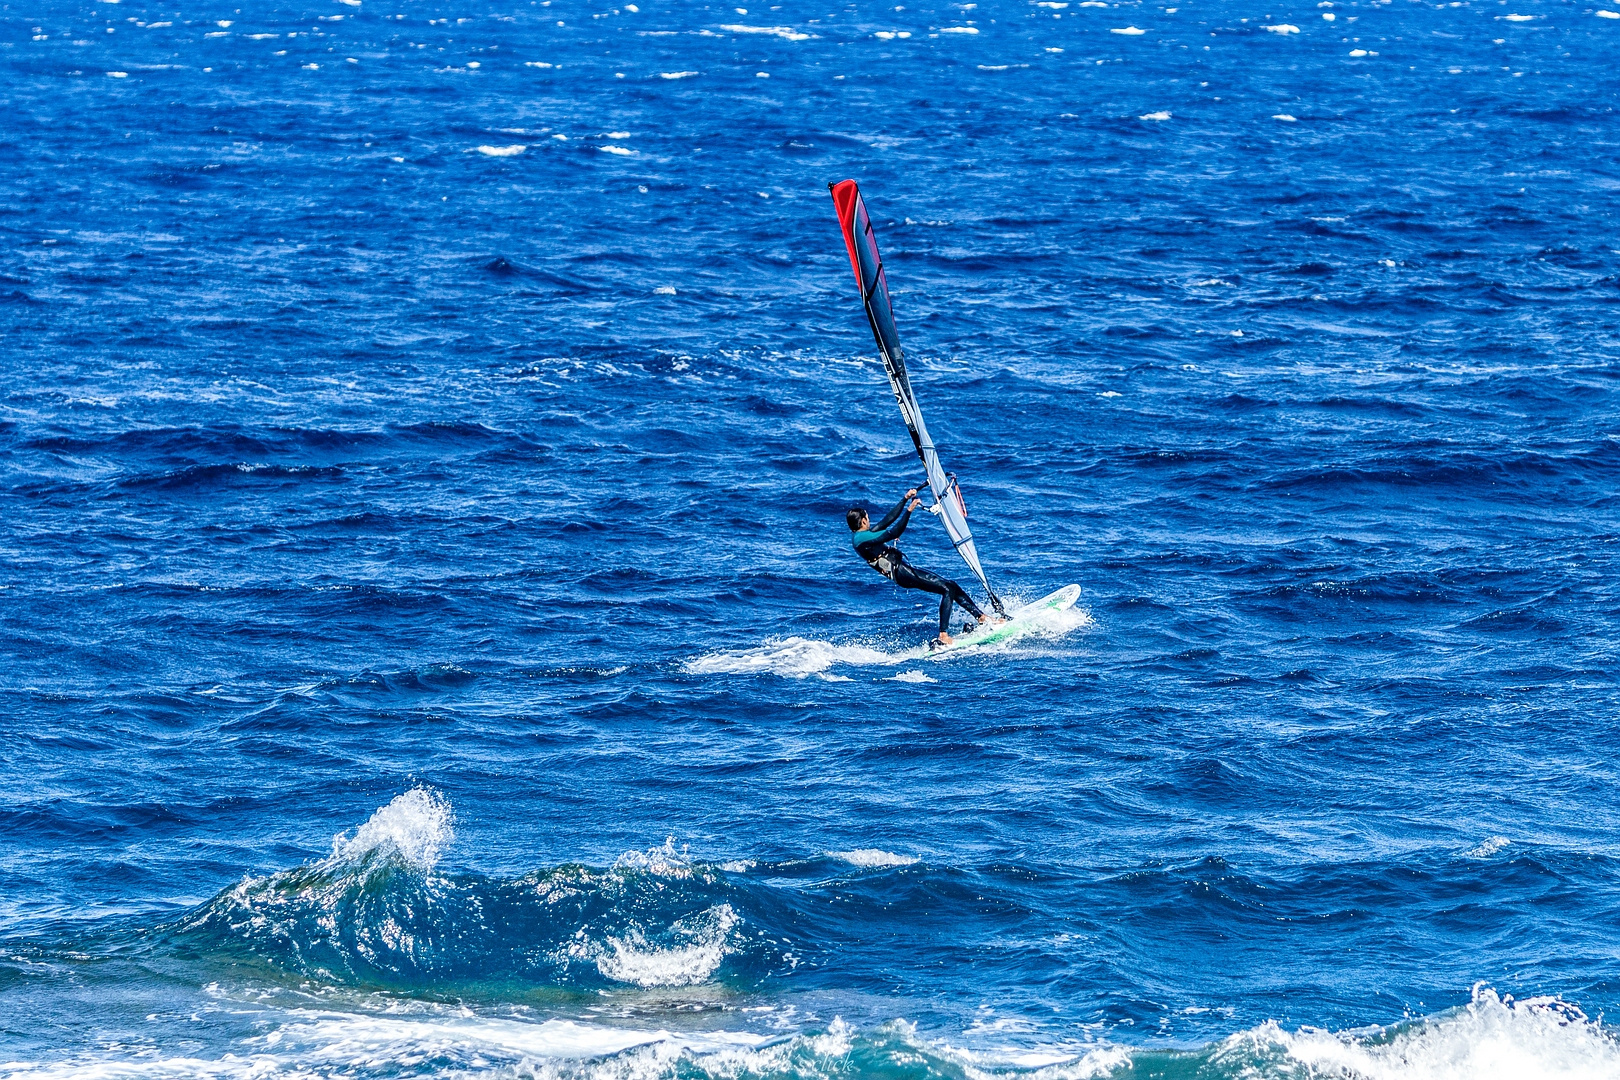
pixel 1491 1038
pixel 378 913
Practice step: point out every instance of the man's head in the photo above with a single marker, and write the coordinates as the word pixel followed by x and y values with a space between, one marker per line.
pixel 857 518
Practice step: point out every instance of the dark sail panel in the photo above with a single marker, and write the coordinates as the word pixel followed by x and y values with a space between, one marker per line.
pixel 868 266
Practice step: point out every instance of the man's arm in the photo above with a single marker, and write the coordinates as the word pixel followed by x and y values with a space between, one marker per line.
pixel 893 531
pixel 888 518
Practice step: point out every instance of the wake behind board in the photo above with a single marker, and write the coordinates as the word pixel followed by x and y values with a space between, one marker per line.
pixel 1020 621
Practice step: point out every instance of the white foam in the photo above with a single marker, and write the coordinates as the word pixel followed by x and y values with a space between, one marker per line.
pixel 959 29
pixel 633 960
pixel 1282 28
pixel 417 826
pixel 664 290
pixel 912 677
pixel 1285 118
pixel 794 657
pixel 536 64
pixel 503 151
pixel 676 74
pixel 1602 14
pixel 1154 116
pixel 874 857
pixel 1516 18
pixel 786 33
pixel 1128 31
pixel 1486 848
pixel 664 861
pixel 622 151
pixel 1491 1038
pixel 345 1044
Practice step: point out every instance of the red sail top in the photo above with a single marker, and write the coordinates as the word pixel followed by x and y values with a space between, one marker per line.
pixel 845 197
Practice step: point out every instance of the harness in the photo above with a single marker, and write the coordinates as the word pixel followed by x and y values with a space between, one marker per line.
pixel 885 561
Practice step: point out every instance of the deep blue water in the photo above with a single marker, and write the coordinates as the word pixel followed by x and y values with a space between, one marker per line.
pixel 485 512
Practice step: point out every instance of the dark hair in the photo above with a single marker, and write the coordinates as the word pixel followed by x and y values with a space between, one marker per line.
pixel 856 513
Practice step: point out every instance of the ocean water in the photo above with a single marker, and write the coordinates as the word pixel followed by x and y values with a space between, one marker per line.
pixel 429 641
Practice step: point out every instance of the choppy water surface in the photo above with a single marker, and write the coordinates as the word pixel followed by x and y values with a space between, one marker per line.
pixel 431 644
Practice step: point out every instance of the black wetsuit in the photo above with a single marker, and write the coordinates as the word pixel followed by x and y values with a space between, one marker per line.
pixel 873 546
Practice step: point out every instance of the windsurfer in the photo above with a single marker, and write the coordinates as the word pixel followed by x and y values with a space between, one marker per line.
pixel 872 544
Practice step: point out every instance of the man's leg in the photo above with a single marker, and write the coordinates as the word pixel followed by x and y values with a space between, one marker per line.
pixel 965 600
pixel 910 577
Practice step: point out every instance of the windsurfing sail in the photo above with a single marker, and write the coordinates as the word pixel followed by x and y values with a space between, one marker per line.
pixel 863 256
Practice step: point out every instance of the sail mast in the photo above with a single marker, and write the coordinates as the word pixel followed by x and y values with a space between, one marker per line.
pixel 868 266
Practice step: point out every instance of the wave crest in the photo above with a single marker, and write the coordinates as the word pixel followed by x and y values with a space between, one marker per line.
pixel 376 913
pixel 416 827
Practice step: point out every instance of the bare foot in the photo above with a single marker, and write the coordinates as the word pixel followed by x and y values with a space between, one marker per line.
pixel 981 620
pixel 944 638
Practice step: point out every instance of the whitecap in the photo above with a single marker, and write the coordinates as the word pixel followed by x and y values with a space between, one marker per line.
pixel 884 35
pixel 664 290
pixel 417 826
pixel 503 151
pixel 536 64
pixel 1285 118
pixel 1282 28
pixel 786 33
pixel 959 29
pixel 1358 52
pixel 118 74
pixel 1128 31
pixel 1486 848
pixel 615 134
pixel 912 677
pixel 1516 18
pixel 1602 14
pixel 874 858
pixel 634 960
pixel 1154 116
pixel 664 861
pixel 1491 1036
pixel 622 151
pixel 676 74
